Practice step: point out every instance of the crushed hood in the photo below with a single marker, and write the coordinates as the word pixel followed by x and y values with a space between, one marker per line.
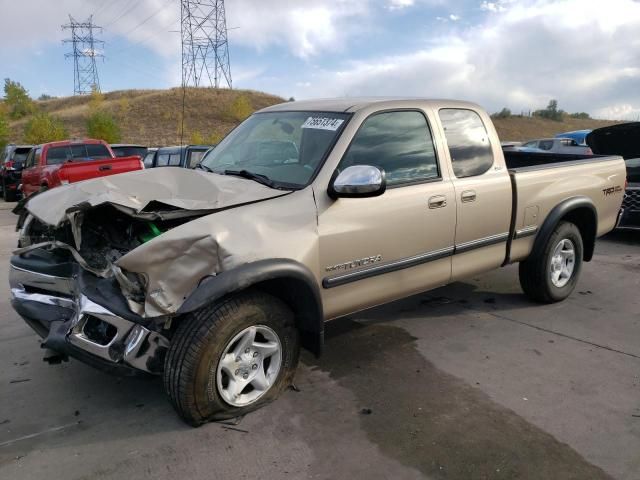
pixel 146 192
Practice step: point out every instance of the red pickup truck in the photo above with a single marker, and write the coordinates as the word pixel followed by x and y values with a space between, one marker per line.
pixel 59 163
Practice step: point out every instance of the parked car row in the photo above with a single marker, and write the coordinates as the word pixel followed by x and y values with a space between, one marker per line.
pixel 11 169
pixel 27 169
pixel 621 139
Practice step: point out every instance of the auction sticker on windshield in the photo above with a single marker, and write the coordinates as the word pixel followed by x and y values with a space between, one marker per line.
pixel 322 123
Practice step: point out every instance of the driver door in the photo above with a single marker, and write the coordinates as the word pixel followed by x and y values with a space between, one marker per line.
pixel 377 249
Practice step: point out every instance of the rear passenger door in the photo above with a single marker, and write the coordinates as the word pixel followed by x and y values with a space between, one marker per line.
pixel 483 193
pixel 377 249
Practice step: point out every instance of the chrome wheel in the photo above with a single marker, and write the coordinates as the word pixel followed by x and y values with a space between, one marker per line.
pixel 249 365
pixel 563 262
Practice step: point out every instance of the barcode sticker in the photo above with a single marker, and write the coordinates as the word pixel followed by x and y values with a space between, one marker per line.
pixel 323 123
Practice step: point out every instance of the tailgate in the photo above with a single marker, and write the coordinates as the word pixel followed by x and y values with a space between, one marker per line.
pixel 85 170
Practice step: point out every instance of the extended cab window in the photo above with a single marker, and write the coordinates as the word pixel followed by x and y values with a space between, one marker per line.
pixel 468 142
pixel 398 142
pixel 96 151
pixel 56 155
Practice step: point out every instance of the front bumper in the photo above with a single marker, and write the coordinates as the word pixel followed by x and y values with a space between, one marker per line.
pixel 72 324
pixel 630 216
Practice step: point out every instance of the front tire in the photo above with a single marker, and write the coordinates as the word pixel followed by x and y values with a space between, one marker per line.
pixel 232 357
pixel 552 275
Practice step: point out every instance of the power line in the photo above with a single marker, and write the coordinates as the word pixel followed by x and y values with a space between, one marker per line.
pixel 125 12
pixel 84 53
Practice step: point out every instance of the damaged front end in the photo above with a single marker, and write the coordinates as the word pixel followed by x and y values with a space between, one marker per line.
pixel 62 278
pixel 100 272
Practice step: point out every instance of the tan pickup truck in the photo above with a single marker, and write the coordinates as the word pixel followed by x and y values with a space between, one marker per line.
pixel 306 212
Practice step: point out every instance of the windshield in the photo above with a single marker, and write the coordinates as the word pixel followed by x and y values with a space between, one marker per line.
pixel 285 147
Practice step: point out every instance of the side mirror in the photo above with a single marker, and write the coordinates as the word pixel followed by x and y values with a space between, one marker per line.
pixel 358 181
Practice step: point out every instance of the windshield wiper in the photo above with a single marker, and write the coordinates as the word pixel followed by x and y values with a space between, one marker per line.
pixel 256 177
pixel 201 166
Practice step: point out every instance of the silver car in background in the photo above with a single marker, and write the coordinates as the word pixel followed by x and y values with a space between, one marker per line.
pixel 558 145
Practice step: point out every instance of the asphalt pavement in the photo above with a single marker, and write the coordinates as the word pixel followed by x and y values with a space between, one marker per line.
pixel 470 381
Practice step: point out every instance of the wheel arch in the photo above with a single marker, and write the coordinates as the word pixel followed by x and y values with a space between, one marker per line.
pixel 578 210
pixel 286 279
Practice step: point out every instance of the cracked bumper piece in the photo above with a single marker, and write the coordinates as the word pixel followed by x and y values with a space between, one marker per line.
pixel 72 324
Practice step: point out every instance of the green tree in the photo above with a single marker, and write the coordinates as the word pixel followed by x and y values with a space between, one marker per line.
pixel 551 112
pixel 42 128
pixel 504 113
pixel 46 96
pixel 4 130
pixel 103 126
pixel 17 99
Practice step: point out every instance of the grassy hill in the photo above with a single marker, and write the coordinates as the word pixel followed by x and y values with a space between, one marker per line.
pixel 153 117
pixel 527 128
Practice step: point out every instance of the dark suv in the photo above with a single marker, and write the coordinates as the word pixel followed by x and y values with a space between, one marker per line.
pixel 11 170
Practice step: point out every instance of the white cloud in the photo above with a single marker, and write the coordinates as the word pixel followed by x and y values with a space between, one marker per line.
pixel 305 27
pixel 585 53
pixel 399 4
pixel 454 18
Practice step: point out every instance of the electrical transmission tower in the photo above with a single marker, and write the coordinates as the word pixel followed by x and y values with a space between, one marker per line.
pixel 205 49
pixel 84 53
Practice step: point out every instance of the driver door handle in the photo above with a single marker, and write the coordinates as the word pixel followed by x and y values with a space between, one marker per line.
pixel 437 201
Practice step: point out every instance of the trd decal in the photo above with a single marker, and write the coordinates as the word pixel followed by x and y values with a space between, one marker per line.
pixel 611 190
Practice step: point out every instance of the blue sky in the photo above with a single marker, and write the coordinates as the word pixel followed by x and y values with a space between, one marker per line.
pixel 513 53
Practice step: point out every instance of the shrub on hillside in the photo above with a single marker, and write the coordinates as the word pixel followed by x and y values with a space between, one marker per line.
pixel 580 115
pixel 46 96
pixel 42 128
pixel 239 109
pixel 103 126
pixel 17 99
pixel 198 138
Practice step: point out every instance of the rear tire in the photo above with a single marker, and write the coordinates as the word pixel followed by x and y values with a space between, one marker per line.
pixel 211 369
pixel 552 275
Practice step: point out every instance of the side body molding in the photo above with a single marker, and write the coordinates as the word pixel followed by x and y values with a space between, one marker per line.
pixel 579 210
pixel 284 278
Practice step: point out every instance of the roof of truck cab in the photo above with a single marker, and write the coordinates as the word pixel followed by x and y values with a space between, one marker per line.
pixel 353 104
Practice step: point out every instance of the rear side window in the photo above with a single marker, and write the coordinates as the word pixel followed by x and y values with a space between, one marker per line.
pixel 56 155
pixel 468 142
pixel 168 160
pixel 546 144
pixel 400 143
pixel 97 150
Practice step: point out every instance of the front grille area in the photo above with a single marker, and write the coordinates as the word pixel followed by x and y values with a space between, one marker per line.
pixel 631 200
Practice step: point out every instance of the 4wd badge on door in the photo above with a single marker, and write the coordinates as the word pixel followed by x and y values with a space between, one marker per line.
pixel 355 263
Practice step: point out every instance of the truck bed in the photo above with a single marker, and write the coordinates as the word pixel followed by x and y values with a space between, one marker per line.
pixel 532 160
